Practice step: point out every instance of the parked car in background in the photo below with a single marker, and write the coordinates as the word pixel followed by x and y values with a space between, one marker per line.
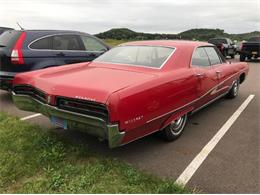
pixel 225 46
pixel 132 90
pixel 3 29
pixel 27 50
pixel 250 49
pixel 239 46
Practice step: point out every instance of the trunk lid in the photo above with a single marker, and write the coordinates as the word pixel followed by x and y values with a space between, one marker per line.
pixel 84 82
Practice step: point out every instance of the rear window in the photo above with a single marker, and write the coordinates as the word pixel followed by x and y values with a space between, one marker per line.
pixel 9 38
pixel 218 41
pixel 66 42
pixel 44 43
pixel 200 58
pixel 213 56
pixel 146 56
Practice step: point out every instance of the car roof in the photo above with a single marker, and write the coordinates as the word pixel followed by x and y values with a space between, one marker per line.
pixel 52 31
pixel 169 43
pixel 5 28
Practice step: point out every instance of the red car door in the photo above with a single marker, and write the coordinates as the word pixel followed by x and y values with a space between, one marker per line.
pixel 222 70
pixel 206 77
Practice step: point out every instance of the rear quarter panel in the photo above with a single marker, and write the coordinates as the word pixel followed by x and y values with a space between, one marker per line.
pixel 144 108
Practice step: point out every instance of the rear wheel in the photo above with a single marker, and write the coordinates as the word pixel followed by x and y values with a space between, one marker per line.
pixel 174 129
pixel 233 92
pixel 232 56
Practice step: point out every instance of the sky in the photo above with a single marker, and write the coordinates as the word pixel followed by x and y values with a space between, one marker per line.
pixel 161 16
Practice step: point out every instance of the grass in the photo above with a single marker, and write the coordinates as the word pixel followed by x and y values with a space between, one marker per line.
pixel 33 160
pixel 114 42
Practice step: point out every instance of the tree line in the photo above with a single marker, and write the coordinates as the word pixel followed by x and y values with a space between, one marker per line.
pixel 193 34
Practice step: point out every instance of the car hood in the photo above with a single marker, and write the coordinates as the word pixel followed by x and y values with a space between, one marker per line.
pixel 82 81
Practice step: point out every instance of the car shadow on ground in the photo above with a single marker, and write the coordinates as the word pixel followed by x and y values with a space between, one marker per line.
pixel 148 143
pixel 134 149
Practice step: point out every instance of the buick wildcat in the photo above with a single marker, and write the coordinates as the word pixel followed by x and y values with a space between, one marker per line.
pixel 133 90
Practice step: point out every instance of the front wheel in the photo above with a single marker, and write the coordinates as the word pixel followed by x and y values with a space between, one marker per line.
pixel 233 92
pixel 174 129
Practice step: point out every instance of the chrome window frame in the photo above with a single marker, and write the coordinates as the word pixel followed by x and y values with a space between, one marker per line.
pixel 141 66
pixel 52 35
pixel 202 46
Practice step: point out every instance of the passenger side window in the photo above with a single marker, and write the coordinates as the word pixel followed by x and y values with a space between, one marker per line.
pixel 200 58
pixel 44 43
pixel 213 56
pixel 92 44
pixel 66 42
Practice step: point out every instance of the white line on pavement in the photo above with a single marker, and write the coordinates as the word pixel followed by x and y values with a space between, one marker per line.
pixel 31 116
pixel 186 175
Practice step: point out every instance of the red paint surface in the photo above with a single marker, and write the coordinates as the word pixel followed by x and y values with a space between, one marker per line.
pixel 142 100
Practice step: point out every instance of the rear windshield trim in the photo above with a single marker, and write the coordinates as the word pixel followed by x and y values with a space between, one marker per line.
pixel 141 66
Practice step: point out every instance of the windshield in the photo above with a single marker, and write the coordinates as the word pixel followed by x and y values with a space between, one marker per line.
pixel 146 56
pixel 218 41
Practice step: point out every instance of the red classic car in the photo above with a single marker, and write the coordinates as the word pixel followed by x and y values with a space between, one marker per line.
pixel 133 90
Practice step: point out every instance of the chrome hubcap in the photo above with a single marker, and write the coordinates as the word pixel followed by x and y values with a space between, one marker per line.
pixel 177 125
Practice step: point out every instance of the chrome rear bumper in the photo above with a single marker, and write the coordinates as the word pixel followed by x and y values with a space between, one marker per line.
pixel 89 124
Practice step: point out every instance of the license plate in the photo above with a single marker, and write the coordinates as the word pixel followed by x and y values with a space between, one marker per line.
pixel 59 122
pixel 254 52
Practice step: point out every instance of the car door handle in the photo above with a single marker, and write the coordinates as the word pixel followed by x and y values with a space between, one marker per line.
pixel 218 72
pixel 61 54
pixel 200 75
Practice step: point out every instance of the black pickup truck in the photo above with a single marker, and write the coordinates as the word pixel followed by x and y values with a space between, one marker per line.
pixel 250 49
pixel 225 46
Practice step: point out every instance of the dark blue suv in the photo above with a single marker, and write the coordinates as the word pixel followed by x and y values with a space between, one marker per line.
pixel 28 50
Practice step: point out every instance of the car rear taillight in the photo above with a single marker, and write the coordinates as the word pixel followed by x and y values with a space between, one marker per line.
pixel 17 55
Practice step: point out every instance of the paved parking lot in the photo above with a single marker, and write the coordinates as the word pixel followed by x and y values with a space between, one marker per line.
pixel 233 166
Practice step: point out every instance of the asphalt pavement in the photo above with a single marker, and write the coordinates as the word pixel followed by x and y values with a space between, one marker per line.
pixel 233 166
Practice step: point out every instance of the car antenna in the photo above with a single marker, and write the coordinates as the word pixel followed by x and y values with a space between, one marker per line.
pixel 20 26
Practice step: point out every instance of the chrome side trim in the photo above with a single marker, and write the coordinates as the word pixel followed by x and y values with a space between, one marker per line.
pixel 170 112
pixel 208 103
